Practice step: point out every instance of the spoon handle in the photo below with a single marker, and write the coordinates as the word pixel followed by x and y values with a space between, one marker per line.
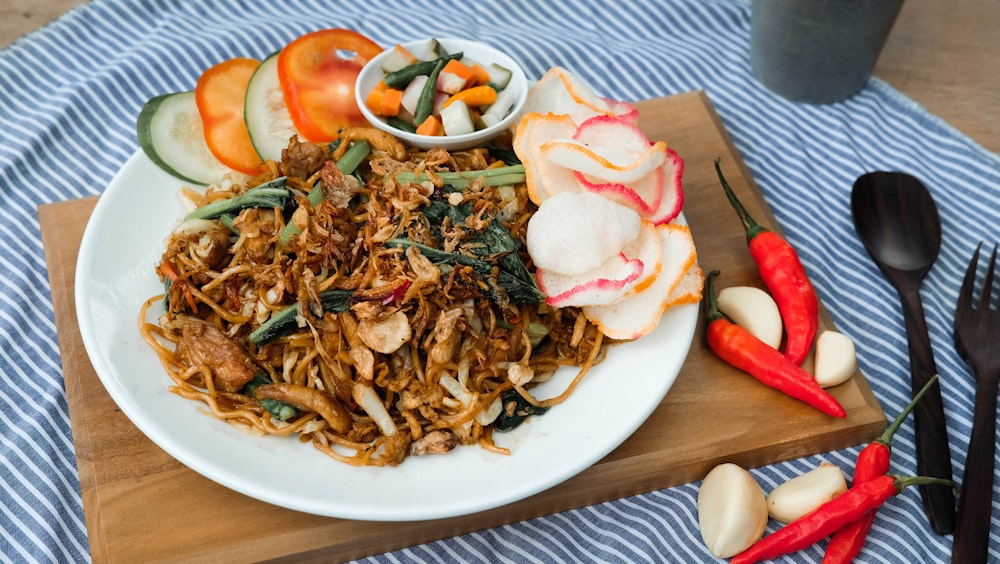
pixel 933 453
pixel 972 526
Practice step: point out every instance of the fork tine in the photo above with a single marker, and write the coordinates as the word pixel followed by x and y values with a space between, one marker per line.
pixel 968 283
pixel 987 291
pixel 977 331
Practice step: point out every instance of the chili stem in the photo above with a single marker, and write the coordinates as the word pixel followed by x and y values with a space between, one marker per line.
pixel 749 224
pixel 886 437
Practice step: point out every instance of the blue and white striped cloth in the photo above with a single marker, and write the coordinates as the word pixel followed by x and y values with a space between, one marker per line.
pixel 70 92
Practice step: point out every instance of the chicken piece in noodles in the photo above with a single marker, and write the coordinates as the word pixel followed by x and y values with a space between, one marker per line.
pixel 301 158
pixel 202 344
pixel 435 442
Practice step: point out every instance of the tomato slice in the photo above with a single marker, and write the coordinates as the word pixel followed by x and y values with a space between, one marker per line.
pixel 220 95
pixel 317 73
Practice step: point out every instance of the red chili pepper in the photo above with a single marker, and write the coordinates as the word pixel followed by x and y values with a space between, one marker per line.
pixel 170 271
pixel 785 277
pixel 873 461
pixel 850 506
pixel 740 348
pixel 397 293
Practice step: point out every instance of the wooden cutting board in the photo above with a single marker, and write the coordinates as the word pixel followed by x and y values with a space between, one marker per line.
pixel 142 505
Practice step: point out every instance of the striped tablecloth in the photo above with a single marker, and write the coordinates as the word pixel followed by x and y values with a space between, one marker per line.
pixel 70 92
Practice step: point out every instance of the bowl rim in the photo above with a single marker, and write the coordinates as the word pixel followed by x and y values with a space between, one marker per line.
pixel 518 79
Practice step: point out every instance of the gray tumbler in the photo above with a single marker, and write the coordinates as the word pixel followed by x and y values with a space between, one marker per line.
pixel 818 51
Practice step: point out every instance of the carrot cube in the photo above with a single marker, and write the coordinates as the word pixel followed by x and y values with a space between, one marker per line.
pixel 482 76
pixel 391 101
pixel 374 99
pixel 430 126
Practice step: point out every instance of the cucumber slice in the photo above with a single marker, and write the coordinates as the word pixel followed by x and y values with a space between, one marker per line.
pixel 433 50
pixel 456 119
pixel 397 58
pixel 170 132
pixel 499 76
pixel 265 112
pixel 500 108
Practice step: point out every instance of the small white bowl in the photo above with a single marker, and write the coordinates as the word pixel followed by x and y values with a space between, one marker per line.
pixel 479 52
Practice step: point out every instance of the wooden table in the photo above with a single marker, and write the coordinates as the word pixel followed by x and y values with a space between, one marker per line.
pixel 944 55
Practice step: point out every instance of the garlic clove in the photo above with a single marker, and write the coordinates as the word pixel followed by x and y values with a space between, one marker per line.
pixel 754 310
pixel 732 510
pixel 836 359
pixel 803 494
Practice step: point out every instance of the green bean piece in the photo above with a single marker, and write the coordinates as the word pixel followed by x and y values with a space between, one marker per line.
pixel 425 104
pixel 498 176
pixel 401 124
pixel 405 75
pixel 263 196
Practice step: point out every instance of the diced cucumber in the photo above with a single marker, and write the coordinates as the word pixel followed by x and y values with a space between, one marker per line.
pixel 397 58
pixel 433 50
pixel 457 119
pixel 499 109
pixel 170 132
pixel 499 76
pixel 265 112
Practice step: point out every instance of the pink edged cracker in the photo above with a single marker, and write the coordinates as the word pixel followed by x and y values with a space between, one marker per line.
pixel 641 312
pixel 603 284
pixel 542 177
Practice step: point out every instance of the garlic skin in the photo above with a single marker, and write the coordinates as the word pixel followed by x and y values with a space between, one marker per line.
pixel 732 510
pixel 836 359
pixel 803 494
pixel 754 310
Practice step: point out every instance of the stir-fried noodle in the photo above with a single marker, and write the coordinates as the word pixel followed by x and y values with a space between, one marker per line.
pixel 394 316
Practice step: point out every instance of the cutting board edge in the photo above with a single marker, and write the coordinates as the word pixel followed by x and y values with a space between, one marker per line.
pixel 70 346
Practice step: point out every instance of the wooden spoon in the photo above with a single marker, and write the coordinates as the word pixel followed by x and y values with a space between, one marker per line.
pixel 897 221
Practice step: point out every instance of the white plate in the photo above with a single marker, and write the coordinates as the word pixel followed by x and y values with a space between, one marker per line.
pixel 114 276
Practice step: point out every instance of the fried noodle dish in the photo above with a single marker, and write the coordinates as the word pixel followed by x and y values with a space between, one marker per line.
pixel 375 301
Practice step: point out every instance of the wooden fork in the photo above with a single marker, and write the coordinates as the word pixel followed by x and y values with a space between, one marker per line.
pixel 977 340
